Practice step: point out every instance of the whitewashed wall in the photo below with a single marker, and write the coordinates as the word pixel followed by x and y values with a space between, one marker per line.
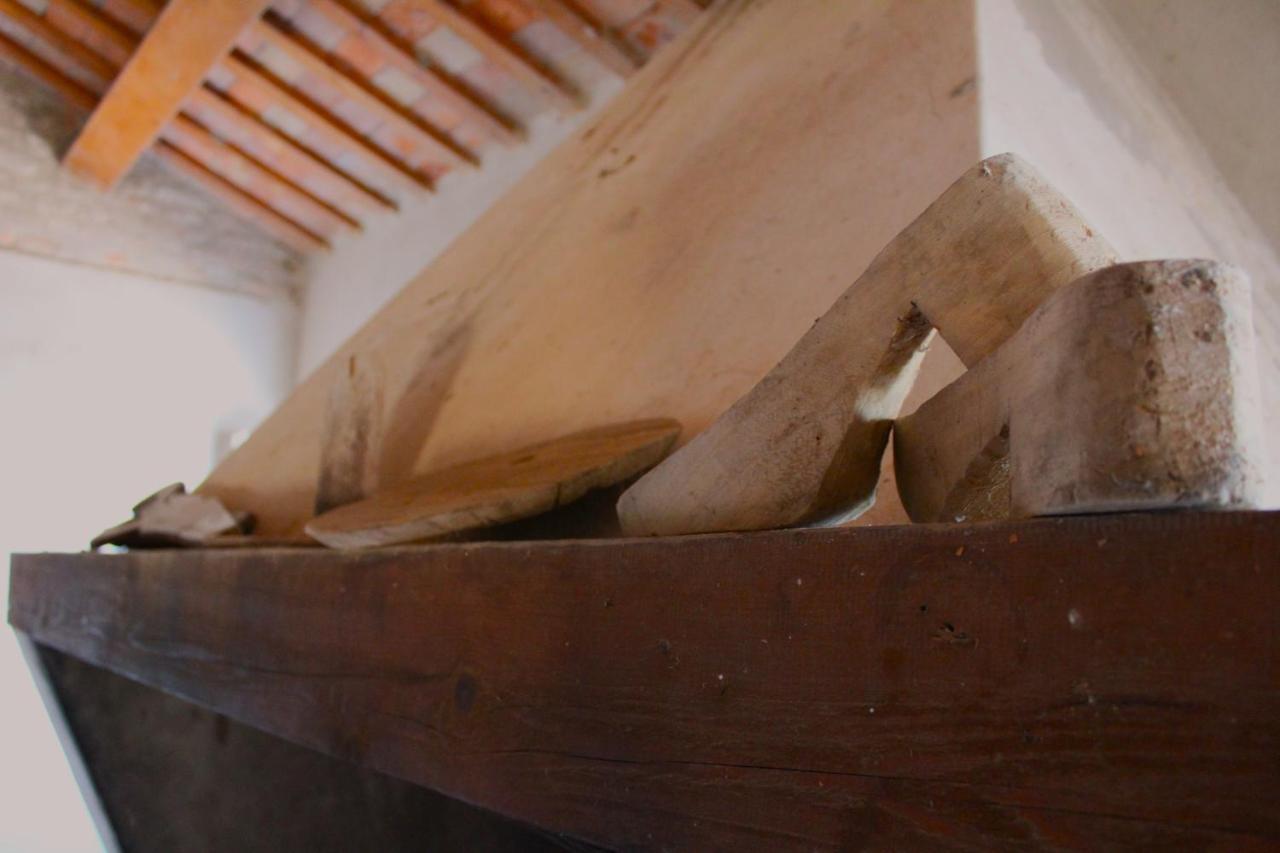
pixel 112 385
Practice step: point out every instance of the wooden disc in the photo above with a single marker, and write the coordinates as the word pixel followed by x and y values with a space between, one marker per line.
pixel 497 489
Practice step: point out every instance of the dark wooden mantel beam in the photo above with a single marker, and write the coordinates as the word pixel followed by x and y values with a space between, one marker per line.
pixel 1080 683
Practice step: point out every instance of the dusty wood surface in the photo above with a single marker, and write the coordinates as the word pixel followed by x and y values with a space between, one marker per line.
pixel 175 778
pixel 187 37
pixel 1084 682
pixel 498 489
pixel 804 445
pixel 661 261
pixel 1135 387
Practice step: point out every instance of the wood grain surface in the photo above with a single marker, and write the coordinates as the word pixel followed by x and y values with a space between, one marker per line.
pixel 497 489
pixel 667 255
pixel 1081 683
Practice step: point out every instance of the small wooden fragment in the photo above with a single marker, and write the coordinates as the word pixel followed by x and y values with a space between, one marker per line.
pixel 1135 387
pixel 804 445
pixel 500 488
pixel 171 517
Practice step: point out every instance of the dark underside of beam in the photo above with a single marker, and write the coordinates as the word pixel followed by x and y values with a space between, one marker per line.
pixel 1082 683
pixel 174 778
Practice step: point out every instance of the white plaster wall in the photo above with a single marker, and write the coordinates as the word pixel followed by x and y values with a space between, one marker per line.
pixel 362 273
pixel 113 385
pixel 1061 84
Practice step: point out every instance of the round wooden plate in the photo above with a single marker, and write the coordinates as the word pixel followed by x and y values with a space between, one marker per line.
pixel 498 489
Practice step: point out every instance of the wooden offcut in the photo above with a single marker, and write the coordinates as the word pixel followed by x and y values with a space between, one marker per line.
pixel 186 39
pixel 1095 682
pixel 804 445
pixel 497 489
pixel 1135 387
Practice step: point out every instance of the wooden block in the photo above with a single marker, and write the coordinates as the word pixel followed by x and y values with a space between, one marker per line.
pixel 1135 387
pixel 500 488
pixel 804 445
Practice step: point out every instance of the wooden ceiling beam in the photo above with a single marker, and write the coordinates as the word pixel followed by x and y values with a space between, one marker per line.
pixel 589 35
pixel 274 191
pixel 403 60
pixel 542 83
pixel 37 67
pixel 38 26
pixel 238 200
pixel 282 154
pixel 430 140
pixel 262 85
pixel 172 60
pixel 290 157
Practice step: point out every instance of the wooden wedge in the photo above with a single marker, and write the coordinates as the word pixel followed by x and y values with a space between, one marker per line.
pixel 804 445
pixel 498 489
pixel 1135 387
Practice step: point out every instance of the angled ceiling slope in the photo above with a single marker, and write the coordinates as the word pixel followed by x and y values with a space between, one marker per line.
pixel 308 116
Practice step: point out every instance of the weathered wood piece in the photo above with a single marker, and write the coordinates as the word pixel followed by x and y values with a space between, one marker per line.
pixel 1135 387
pixel 804 445
pixel 497 489
pixel 173 517
pixel 1086 682
pixel 187 37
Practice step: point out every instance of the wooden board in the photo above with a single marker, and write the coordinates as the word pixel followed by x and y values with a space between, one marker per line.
pixel 1135 387
pixel 497 489
pixel 1085 683
pixel 664 258
pixel 187 38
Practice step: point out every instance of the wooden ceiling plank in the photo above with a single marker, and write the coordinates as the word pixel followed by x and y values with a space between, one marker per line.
pixel 240 201
pixel 137 16
pixel 290 159
pixel 46 73
pixel 589 35
pixel 555 92
pixel 199 144
pixel 100 35
pixel 387 167
pixel 173 58
pixel 38 26
pixel 431 140
pixel 403 60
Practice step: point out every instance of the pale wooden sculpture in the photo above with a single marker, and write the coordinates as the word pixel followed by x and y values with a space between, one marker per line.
pixel 1135 387
pixel 498 489
pixel 804 445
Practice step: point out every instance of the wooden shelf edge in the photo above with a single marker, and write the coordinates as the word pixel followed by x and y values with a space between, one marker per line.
pixel 1109 679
